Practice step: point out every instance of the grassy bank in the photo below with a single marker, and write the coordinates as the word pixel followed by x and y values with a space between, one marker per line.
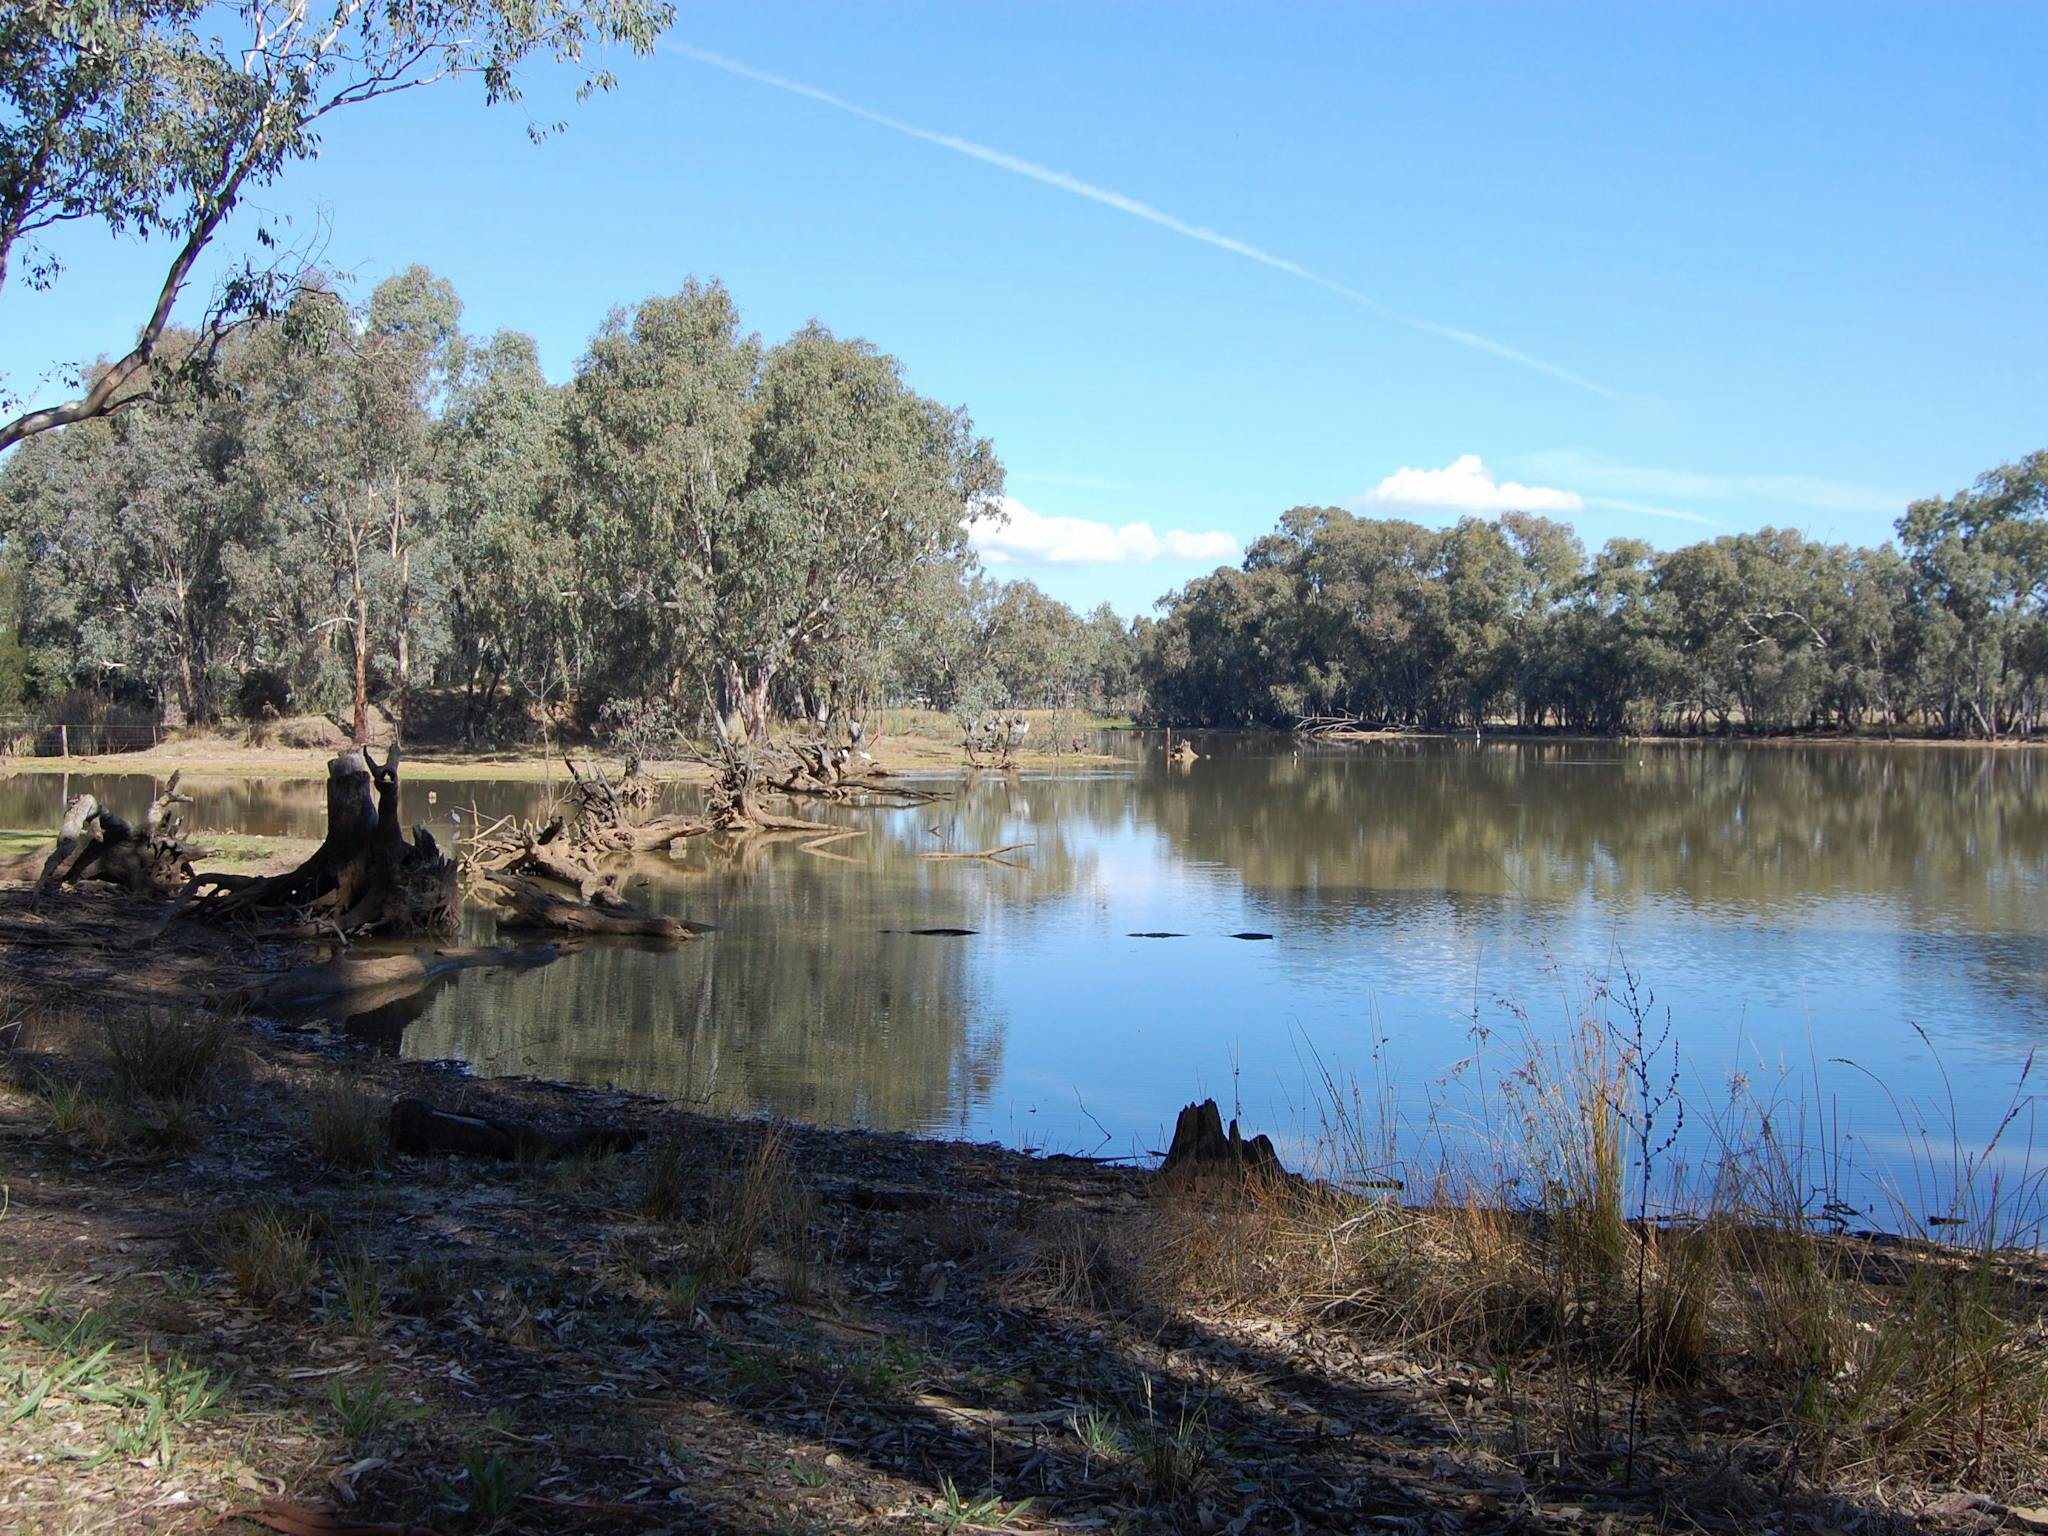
pixel 222 1285
pixel 909 742
pixel 22 850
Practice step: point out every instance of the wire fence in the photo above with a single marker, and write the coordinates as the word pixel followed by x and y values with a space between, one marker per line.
pixel 27 736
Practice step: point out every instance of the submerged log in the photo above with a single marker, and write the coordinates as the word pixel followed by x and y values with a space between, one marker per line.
pixel 307 985
pixel 418 1128
pixel 1200 1147
pixel 532 905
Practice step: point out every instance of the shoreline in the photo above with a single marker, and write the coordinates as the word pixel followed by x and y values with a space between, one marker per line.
pixel 227 1277
pixel 918 758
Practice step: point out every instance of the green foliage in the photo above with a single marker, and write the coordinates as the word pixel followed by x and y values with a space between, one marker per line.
pixel 1391 623
pixel 155 118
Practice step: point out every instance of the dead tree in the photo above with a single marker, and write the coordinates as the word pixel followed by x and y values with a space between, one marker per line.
pixel 95 843
pixel 364 878
pixel 994 741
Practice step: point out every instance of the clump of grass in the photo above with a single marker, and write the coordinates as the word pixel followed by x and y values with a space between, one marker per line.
pixel 351 1129
pixel 360 1292
pixel 1174 1456
pixel 366 1409
pixel 83 1117
pixel 164 1056
pixel 667 1178
pixel 761 1204
pixel 267 1252
pixel 1064 1261
pixel 497 1483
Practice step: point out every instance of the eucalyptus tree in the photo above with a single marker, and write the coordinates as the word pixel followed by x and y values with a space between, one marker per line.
pixel 747 517
pixel 156 118
pixel 126 532
pixel 855 484
pixel 658 438
pixel 510 551
pixel 1981 557
pixel 406 354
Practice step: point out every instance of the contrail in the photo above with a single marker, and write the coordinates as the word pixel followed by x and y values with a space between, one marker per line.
pixel 1049 177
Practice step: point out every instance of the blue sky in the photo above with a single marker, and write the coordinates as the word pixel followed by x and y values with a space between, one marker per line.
pixel 1667 271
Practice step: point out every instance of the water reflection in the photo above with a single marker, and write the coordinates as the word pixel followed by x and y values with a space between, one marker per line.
pixel 1790 905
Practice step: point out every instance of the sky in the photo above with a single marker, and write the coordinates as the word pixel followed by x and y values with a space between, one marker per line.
pixel 1667 272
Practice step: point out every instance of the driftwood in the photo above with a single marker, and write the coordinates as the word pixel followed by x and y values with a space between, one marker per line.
pixel 993 855
pixel 532 905
pixel 94 842
pixel 418 1128
pixel 363 878
pixel 1200 1147
pixel 350 976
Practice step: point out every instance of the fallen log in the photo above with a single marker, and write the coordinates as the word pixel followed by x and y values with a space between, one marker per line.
pixel 994 855
pixel 1200 1147
pixel 418 1129
pixel 93 841
pixel 532 906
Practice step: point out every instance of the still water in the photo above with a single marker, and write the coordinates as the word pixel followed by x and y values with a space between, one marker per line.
pixel 1860 933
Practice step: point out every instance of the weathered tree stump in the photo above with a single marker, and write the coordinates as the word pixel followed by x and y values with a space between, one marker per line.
pixel 363 878
pixel 1201 1147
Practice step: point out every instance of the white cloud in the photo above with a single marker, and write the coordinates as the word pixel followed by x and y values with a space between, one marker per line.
pixel 1028 536
pixel 1463 485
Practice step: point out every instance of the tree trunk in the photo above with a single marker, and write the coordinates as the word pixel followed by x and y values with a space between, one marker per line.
pixel 361 732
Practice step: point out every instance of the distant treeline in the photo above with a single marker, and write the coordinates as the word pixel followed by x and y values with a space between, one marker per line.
pixel 1511 621
pixel 362 504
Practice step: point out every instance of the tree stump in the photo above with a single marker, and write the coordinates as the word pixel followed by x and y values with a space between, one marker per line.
pixel 363 878
pixel 1200 1147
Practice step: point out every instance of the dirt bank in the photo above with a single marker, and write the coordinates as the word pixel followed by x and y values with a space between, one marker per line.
pixel 224 1290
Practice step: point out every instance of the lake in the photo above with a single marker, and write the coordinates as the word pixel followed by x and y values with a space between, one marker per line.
pixel 1858 932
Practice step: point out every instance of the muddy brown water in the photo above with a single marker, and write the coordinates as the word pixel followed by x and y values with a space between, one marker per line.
pixel 1857 934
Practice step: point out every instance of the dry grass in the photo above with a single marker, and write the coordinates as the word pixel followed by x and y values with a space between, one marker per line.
pixel 1919 1361
pixel 165 1056
pixel 351 1129
pixel 267 1252
pixel 760 1211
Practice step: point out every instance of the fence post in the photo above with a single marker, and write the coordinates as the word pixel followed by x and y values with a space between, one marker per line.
pixel 63 741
